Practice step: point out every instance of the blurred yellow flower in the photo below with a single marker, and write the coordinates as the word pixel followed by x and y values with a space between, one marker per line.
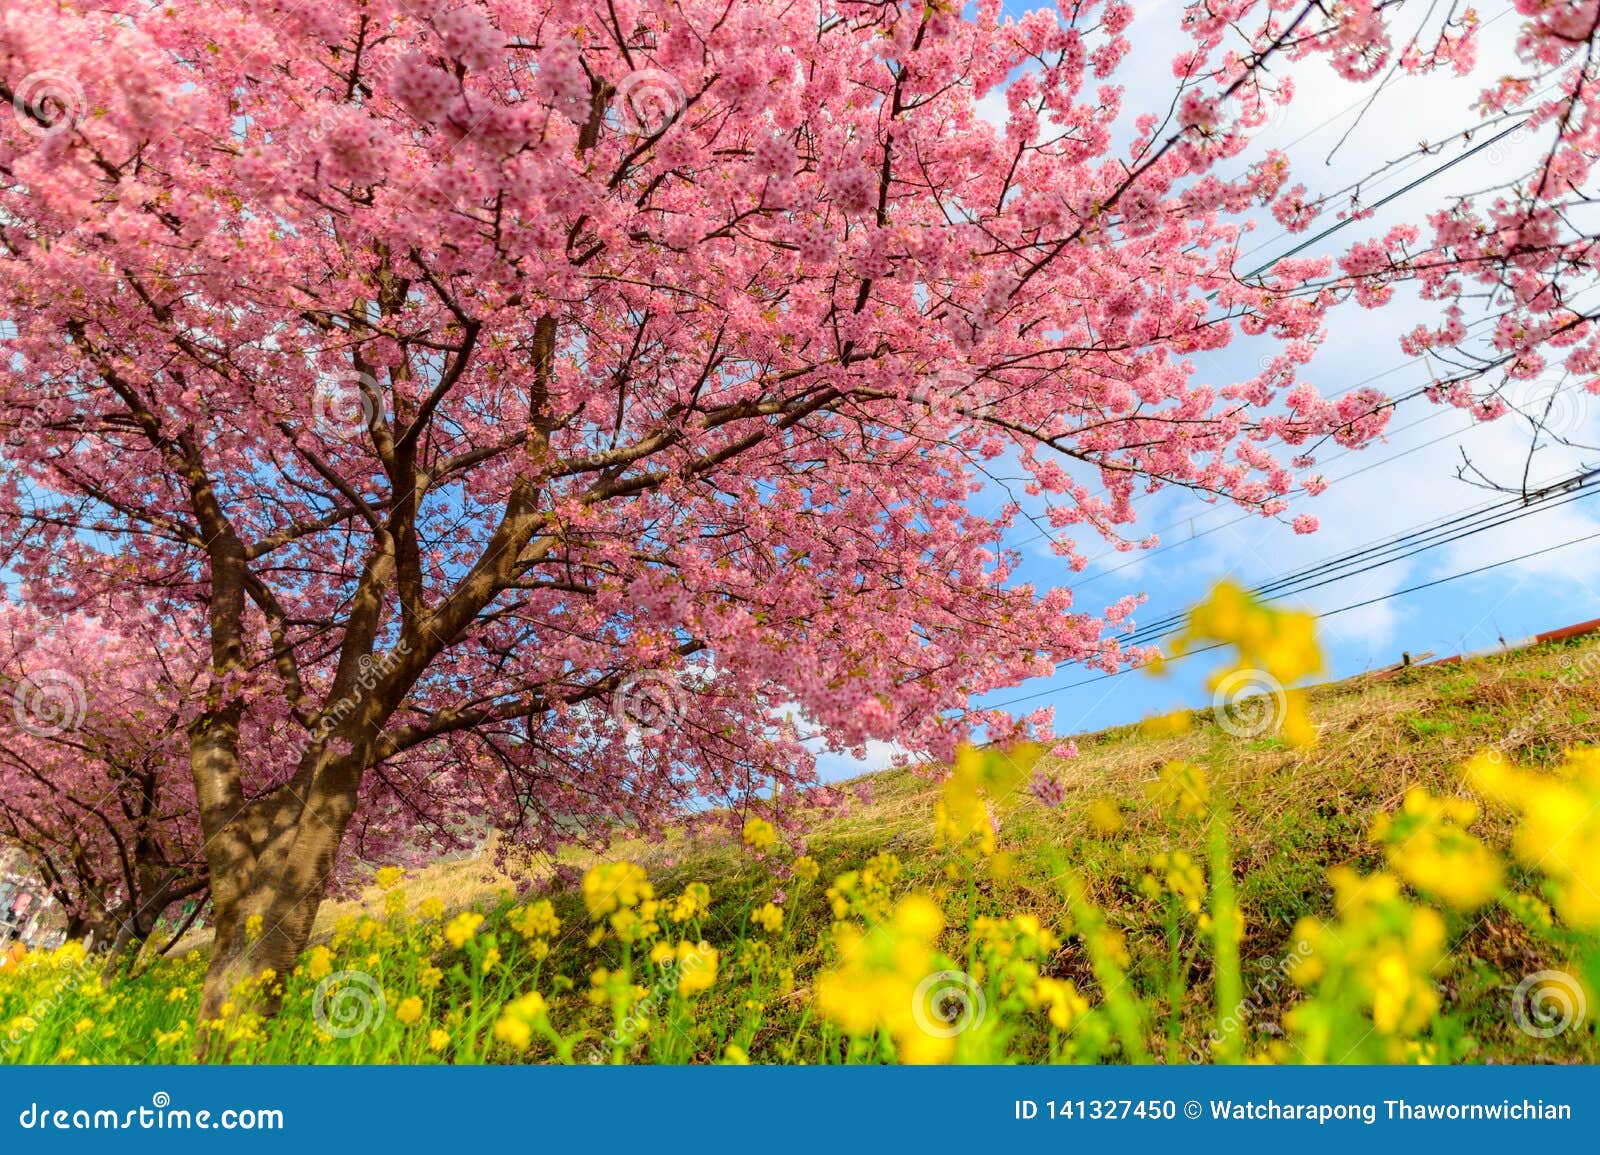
pixel 963 817
pixel 1060 1001
pixel 1274 648
pixel 877 984
pixel 320 964
pixel 804 870
pixel 768 917
pixel 615 886
pixel 536 920
pixel 1105 816
pixel 1425 844
pixel 697 967
pixel 462 927
pixel 759 834
pixel 1181 786
pixel 1559 831
pixel 692 903
pixel 519 1019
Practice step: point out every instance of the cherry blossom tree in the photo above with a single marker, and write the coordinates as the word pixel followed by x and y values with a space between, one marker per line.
pixel 94 784
pixel 1510 264
pixel 543 403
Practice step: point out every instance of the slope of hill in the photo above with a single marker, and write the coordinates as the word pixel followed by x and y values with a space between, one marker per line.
pixel 1099 928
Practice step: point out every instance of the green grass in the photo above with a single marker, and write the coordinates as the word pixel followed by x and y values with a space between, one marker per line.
pixel 1292 815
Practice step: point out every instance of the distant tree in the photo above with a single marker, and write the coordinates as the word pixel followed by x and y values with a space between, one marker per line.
pixel 94 788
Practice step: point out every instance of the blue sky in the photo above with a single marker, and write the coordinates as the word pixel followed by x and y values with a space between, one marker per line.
pixel 1394 485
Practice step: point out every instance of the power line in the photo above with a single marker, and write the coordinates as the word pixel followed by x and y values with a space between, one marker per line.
pixel 1343 453
pixel 1371 465
pixel 1452 529
pixel 1325 614
pixel 1379 203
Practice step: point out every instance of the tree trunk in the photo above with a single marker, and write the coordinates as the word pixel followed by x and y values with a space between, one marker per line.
pixel 269 869
pixel 122 949
pixel 79 927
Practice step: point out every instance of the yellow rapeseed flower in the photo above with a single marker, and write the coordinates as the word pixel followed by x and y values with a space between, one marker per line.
pixel 615 886
pixel 1060 1001
pixel 692 903
pixel 768 917
pixel 320 964
pixel 1427 845
pixel 536 920
pixel 804 870
pixel 462 927
pixel 1105 816
pixel 875 987
pixel 759 834
pixel 963 817
pixel 1274 648
pixel 697 967
pixel 1181 786
pixel 519 1019
pixel 1559 831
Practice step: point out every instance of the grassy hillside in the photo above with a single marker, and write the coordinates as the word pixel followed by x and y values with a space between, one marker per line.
pixel 1085 935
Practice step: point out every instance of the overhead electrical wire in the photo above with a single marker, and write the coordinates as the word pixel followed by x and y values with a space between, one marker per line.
pixel 1449 530
pixel 1325 614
